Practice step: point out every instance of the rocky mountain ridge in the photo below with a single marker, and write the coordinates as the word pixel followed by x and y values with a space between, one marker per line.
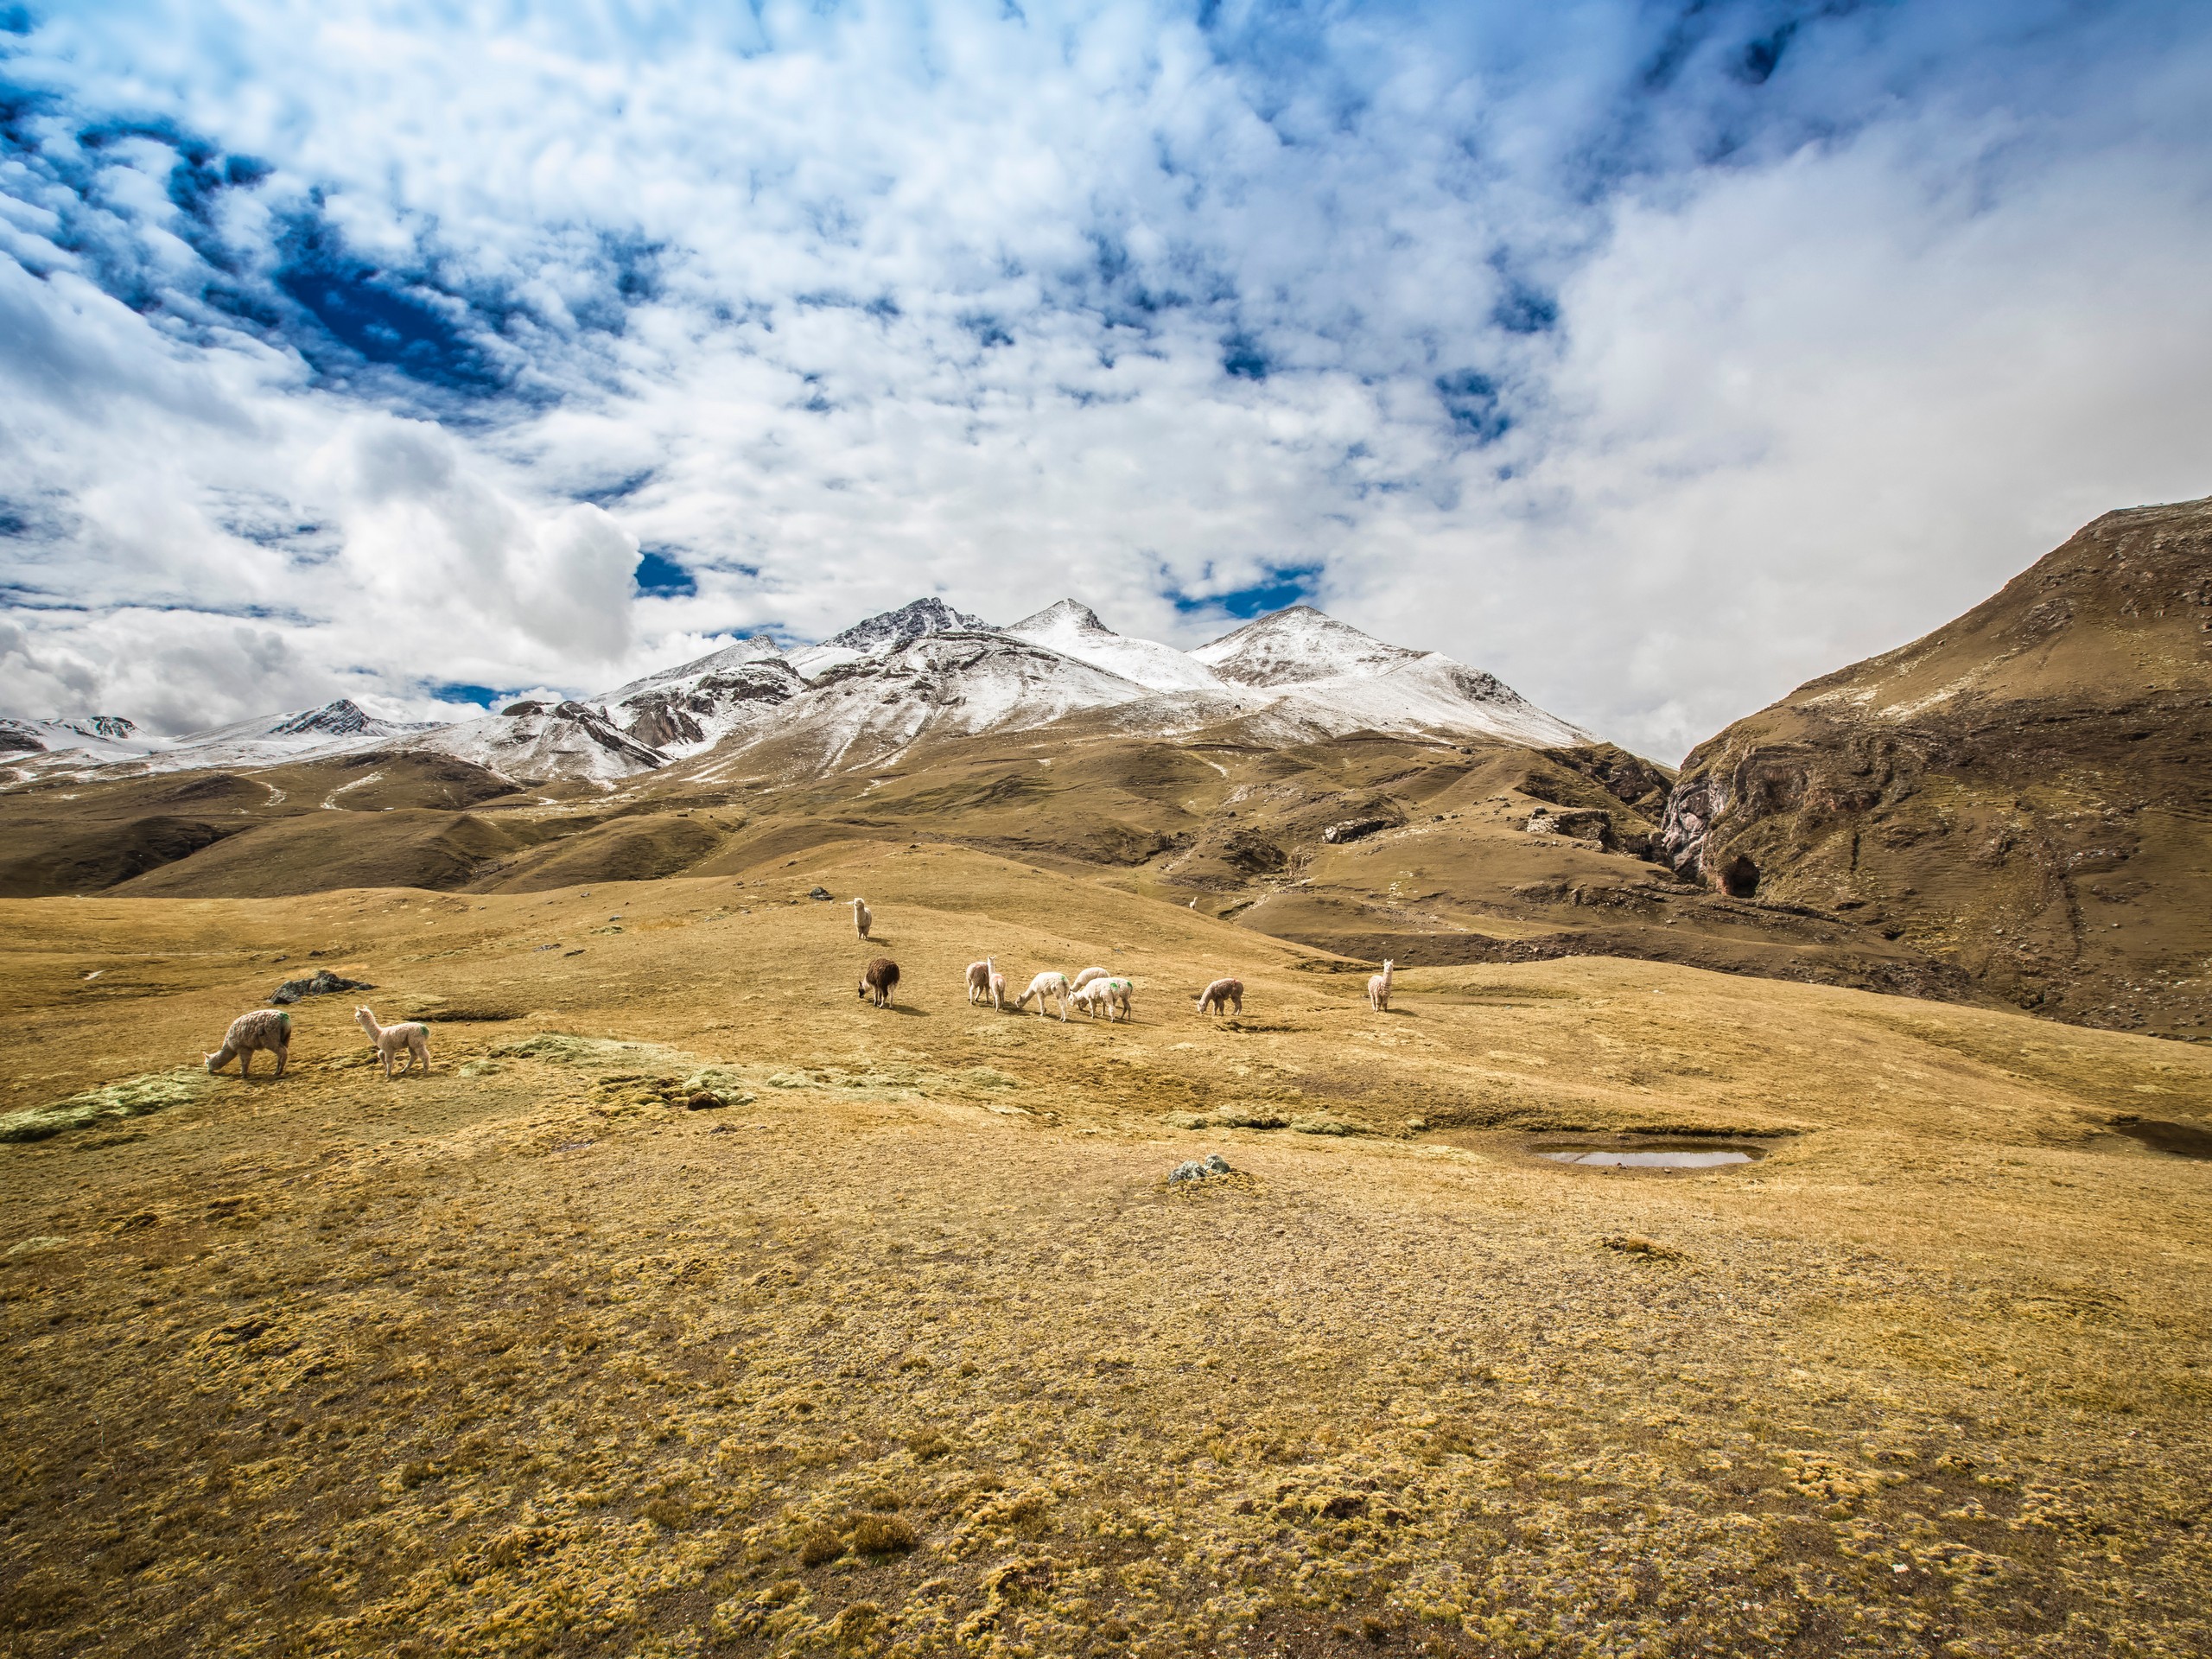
pixel 922 671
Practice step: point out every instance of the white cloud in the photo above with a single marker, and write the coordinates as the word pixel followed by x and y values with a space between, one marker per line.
pixel 834 306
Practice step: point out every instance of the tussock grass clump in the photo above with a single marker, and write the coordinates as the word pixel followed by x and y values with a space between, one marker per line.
pixel 135 1097
pixel 1261 1117
pixel 1636 1244
pixel 884 1534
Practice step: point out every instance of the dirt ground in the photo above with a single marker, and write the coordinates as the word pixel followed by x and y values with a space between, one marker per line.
pixel 909 1347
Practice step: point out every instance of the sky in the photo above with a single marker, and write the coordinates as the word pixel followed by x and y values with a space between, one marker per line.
pixel 1654 358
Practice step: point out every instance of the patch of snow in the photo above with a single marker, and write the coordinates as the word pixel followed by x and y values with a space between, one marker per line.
pixel 1074 630
pixel 689 708
pixel 1290 646
pixel 565 740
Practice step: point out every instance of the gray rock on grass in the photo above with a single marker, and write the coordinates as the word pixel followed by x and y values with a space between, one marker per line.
pixel 1199 1170
pixel 322 984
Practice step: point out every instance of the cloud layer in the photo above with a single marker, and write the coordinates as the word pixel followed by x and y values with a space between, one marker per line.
pixel 1652 360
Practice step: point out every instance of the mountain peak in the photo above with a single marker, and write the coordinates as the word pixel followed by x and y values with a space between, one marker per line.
pixel 338 719
pixel 1297 644
pixel 892 629
pixel 1066 613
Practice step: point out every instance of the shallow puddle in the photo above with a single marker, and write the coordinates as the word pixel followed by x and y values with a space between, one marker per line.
pixel 1648 1154
pixel 2182 1140
pixel 1645 1158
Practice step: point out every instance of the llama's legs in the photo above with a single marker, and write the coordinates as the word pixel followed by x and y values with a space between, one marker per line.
pixel 283 1053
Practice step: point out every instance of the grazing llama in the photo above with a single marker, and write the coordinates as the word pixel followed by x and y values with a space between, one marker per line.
pixel 863 917
pixel 1379 989
pixel 985 983
pixel 410 1034
pixel 1046 986
pixel 1222 996
pixel 269 1029
pixel 1108 996
pixel 878 979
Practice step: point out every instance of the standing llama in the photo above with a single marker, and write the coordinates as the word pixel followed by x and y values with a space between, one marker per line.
pixel 863 917
pixel 985 983
pixel 269 1029
pixel 1379 989
pixel 1222 996
pixel 880 979
pixel 410 1034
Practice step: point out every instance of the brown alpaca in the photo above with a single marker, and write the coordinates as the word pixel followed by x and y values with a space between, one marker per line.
pixel 985 983
pixel 1222 996
pixel 880 979
pixel 269 1029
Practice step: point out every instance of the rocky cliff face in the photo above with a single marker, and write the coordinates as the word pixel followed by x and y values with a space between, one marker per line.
pixel 2026 792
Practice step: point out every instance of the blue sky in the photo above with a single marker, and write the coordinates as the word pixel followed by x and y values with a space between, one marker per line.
pixel 1655 358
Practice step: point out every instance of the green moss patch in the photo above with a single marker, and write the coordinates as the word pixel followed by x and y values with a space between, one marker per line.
pixel 136 1096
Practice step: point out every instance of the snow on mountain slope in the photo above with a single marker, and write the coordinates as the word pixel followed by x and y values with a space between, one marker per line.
pixel 938 685
pixel 1074 630
pixel 265 740
pixel 880 635
pixel 105 737
pixel 537 742
pixel 688 709
pixel 924 670
pixel 1430 693
pixel 1289 647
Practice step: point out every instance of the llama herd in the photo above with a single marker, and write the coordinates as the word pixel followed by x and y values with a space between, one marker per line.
pixel 1095 992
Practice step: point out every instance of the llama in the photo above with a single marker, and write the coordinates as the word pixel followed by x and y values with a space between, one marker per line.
pixel 1379 989
pixel 1222 996
pixel 863 917
pixel 1108 996
pixel 984 980
pixel 1046 986
pixel 1118 992
pixel 269 1029
pixel 880 979
pixel 1087 975
pixel 410 1034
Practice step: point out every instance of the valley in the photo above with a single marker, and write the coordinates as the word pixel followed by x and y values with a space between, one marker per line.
pixel 907 1346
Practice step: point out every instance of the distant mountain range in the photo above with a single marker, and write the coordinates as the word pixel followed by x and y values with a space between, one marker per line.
pixel 922 671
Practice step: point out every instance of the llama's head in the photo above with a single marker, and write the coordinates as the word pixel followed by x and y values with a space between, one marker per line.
pixel 208 1060
pixel 1387 965
pixel 361 1012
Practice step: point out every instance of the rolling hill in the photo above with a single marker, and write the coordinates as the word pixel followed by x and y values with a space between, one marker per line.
pixel 2025 793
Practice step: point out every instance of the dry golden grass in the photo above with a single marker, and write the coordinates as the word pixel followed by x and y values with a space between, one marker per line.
pixel 910 1349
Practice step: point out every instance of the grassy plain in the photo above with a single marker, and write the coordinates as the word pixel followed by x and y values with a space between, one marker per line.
pixel 909 1348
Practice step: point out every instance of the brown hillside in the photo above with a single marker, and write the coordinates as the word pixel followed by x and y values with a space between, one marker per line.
pixel 2024 794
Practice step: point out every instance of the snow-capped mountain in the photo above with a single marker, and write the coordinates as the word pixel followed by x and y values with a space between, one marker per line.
pixel 1291 646
pixel 111 737
pixel 939 683
pixel 879 636
pixel 538 742
pixel 688 709
pixel 1074 630
pixel 925 670
pixel 104 741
